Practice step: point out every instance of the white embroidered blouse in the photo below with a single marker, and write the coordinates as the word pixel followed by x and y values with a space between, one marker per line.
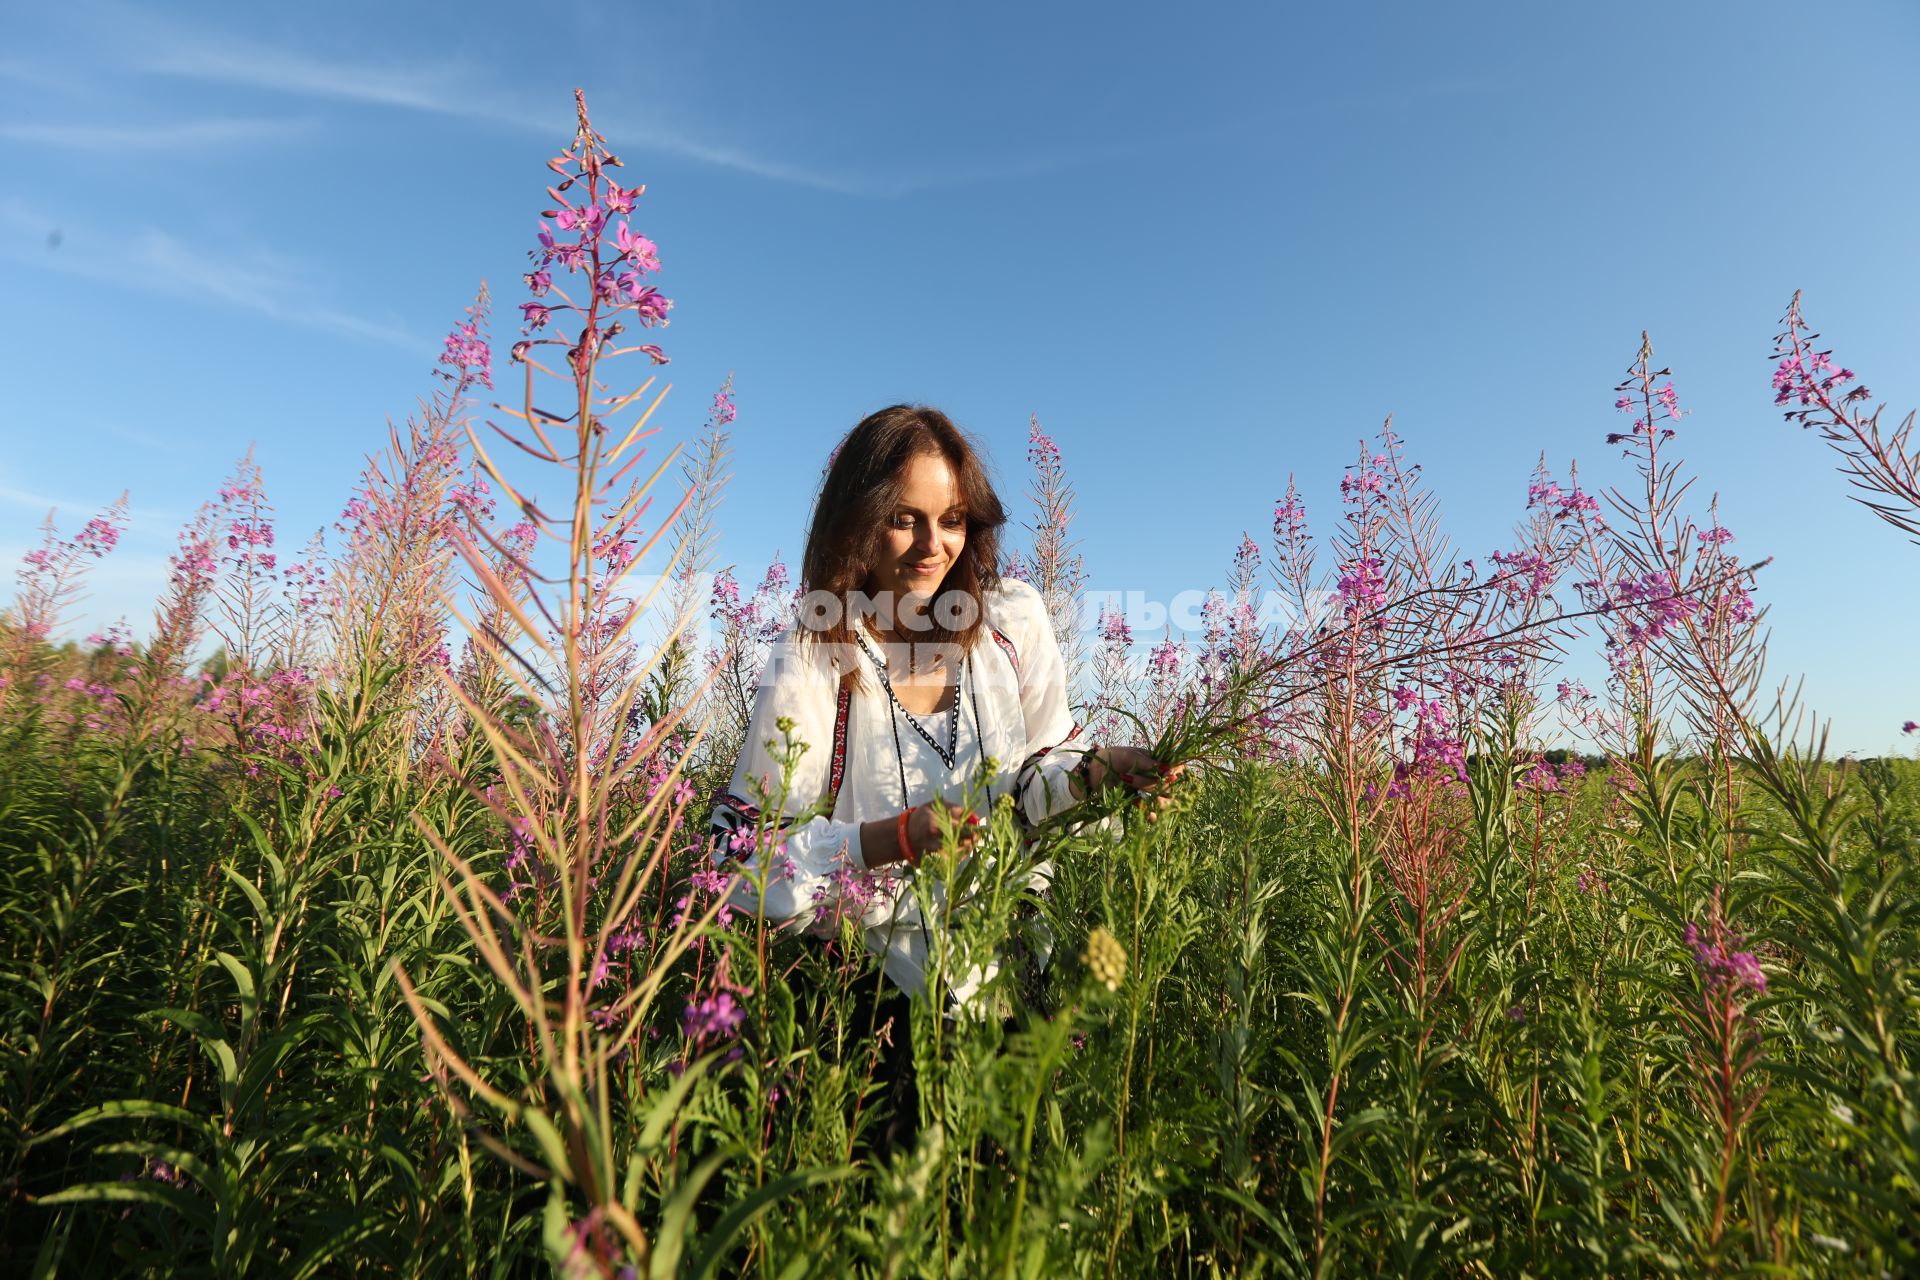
pixel 867 757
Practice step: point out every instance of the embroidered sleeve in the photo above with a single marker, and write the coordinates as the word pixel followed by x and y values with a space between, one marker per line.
pixel 805 853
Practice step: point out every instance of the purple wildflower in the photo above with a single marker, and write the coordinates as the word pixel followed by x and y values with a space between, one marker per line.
pixel 1721 967
pixel 717 1017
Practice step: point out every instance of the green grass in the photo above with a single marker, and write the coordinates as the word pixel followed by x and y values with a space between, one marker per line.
pixel 209 1068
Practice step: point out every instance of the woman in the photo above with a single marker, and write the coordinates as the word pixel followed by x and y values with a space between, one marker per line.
pixel 911 663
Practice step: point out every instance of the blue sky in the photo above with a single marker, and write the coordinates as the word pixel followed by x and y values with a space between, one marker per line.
pixel 1209 246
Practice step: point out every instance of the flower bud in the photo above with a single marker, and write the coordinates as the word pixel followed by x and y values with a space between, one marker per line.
pixel 1106 958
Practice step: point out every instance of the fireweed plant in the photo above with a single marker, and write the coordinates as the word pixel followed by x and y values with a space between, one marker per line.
pixel 361 918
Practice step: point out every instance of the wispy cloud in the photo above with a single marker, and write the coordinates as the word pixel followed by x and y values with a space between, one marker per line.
pixel 461 92
pixel 157 261
pixel 167 42
pixel 456 92
pixel 36 75
pixel 443 90
pixel 70 511
pixel 145 439
pixel 36 501
pixel 175 135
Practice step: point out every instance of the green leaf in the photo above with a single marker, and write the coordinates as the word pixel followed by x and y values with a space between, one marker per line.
pixel 552 1145
pixel 715 1243
pixel 137 1191
pixel 246 886
pixel 128 1109
pixel 672 1238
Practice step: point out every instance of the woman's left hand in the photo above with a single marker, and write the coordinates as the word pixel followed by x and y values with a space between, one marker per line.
pixel 1140 773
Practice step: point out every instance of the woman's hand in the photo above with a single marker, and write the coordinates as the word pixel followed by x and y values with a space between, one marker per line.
pixel 880 839
pixel 924 827
pixel 1139 772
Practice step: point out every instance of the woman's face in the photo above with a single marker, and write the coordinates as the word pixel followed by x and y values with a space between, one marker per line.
pixel 925 532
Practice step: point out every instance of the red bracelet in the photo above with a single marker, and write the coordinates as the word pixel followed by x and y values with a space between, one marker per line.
pixel 907 854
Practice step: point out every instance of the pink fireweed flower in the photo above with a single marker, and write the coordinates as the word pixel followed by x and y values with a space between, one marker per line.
pixel 468 354
pixel 1362 587
pixel 651 306
pixel 118 637
pixel 1293 551
pixel 1163 662
pixel 569 254
pixel 847 895
pixel 712 881
pixel 1911 726
pixel 1359 481
pixel 1542 777
pixel 97 537
pixel 161 1171
pixel 726 591
pixel 714 1018
pixel 1576 502
pixel 588 220
pixel 1720 966
pixel 252 533
pixel 1652 605
pixel 474 499
pixel 1794 381
pixel 1041 449
pixel 1524 575
pixel 620 199
pixel 1246 562
pixel 1213 619
pixel 636 249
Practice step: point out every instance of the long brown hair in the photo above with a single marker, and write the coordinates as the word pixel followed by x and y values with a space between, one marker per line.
pixel 862 487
